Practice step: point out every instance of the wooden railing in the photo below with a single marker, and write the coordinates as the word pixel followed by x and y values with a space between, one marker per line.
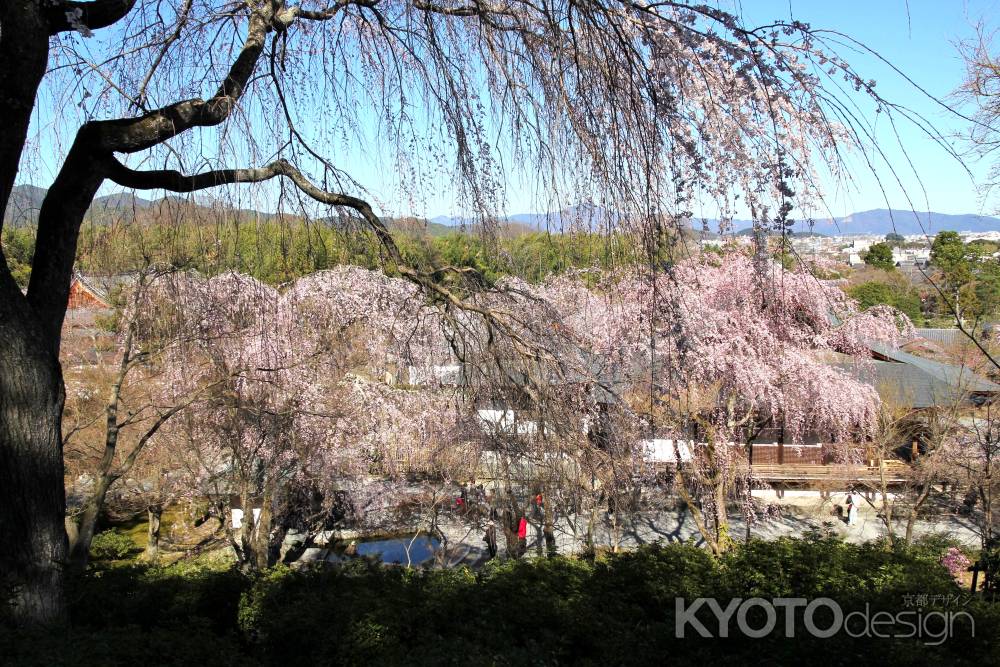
pixel 895 472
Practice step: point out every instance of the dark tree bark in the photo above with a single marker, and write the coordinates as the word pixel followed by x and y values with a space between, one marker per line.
pixel 33 542
pixel 262 532
pixel 509 521
pixel 32 497
pixel 252 541
pixel 24 40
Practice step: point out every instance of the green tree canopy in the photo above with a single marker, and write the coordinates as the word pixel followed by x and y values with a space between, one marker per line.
pixel 968 275
pixel 949 255
pixel 899 295
pixel 880 256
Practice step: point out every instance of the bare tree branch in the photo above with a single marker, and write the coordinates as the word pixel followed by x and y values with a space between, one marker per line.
pixel 93 15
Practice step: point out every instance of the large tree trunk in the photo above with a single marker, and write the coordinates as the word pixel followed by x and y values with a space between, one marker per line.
pixel 32 495
pixel 24 54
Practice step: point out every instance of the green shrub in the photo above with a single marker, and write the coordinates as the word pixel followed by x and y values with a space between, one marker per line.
pixel 895 292
pixel 153 596
pixel 123 646
pixel 111 545
pixel 107 321
pixel 617 608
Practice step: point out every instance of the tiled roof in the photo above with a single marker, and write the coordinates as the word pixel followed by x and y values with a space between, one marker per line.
pixel 942 336
pixel 104 287
pixel 913 381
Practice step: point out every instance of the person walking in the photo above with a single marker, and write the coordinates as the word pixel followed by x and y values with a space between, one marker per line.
pixel 852 510
pixel 491 539
pixel 522 536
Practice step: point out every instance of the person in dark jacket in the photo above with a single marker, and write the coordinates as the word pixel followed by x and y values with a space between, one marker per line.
pixel 491 539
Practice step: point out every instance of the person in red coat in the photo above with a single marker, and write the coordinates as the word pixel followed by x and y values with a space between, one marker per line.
pixel 522 536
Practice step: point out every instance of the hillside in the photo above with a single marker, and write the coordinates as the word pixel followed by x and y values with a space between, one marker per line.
pixel 26 199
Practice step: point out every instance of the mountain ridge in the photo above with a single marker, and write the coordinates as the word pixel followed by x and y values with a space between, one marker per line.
pixel 860 223
pixel 25 201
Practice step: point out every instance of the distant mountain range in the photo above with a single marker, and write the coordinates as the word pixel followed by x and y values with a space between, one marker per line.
pixel 572 217
pixel 886 221
pixel 27 199
pixel 875 222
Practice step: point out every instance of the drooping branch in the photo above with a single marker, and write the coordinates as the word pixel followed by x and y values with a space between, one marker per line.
pixel 167 44
pixel 174 181
pixel 130 135
pixel 290 14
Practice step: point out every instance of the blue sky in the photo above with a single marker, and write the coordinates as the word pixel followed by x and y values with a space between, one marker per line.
pixel 918 36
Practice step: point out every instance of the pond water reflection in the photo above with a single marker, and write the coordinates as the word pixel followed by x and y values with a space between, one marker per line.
pixel 394 549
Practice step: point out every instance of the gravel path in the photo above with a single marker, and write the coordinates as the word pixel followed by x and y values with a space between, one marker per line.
pixel 796 516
